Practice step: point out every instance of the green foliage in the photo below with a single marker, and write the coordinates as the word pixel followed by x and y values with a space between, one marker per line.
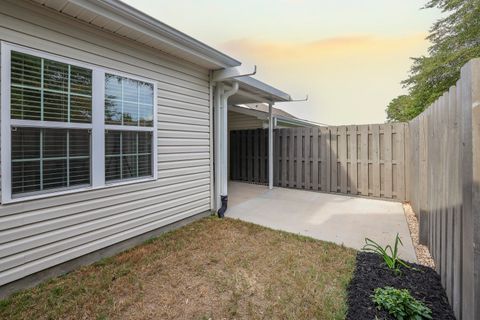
pixel 400 109
pixel 454 41
pixel 389 254
pixel 400 304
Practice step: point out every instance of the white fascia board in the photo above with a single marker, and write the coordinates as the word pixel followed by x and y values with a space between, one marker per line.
pixel 136 20
pixel 274 94
pixel 233 73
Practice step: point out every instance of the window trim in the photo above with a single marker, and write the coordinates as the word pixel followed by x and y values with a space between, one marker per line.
pixel 97 126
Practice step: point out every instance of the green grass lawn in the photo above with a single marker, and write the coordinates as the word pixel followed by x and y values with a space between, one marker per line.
pixel 210 269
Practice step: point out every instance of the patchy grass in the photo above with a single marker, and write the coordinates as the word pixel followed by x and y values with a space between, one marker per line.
pixel 210 269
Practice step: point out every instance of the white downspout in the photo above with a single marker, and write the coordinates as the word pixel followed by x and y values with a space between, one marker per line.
pixel 221 145
pixel 219 88
pixel 224 140
pixel 211 145
pixel 270 146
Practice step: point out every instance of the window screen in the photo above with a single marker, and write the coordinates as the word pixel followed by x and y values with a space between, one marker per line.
pixel 44 159
pixel 128 155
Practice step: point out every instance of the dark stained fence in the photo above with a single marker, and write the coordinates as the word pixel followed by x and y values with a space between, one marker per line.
pixel 249 155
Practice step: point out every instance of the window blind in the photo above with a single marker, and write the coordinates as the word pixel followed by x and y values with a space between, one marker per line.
pixel 128 154
pixel 45 159
pixel 47 90
pixel 51 127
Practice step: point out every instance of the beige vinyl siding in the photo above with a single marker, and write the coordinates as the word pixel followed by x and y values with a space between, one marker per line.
pixel 240 121
pixel 1 93
pixel 39 234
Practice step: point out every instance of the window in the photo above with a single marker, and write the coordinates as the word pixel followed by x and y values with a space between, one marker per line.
pixel 44 159
pixel 47 90
pixel 128 155
pixel 71 126
pixel 128 110
pixel 128 102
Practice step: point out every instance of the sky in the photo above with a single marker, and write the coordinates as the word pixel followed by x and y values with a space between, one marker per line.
pixel 348 56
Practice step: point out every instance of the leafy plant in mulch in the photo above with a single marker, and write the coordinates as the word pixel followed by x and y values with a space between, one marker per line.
pixel 400 304
pixel 371 272
pixel 389 255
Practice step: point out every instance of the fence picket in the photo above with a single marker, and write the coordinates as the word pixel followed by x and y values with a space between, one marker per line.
pixel 387 160
pixel 325 156
pixel 315 158
pixel 342 159
pixel 353 175
pixel 375 160
pixel 364 159
pixel 307 157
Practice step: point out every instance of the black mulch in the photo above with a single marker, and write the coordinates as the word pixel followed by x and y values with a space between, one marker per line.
pixel 370 273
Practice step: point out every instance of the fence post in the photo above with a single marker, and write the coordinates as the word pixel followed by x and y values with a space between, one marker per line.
pixel 475 209
pixel 423 179
pixel 471 193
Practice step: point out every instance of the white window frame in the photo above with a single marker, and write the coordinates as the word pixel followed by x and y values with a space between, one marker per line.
pixel 97 127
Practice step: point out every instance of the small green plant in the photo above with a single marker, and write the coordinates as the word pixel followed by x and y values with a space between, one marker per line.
pixel 400 304
pixel 389 255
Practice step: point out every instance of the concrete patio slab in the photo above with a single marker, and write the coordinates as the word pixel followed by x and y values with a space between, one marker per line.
pixel 337 218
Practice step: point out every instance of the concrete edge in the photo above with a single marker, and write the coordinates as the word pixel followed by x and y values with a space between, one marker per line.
pixel 361 196
pixel 68 266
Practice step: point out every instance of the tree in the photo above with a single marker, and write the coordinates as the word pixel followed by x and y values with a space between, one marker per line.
pixel 455 40
pixel 397 108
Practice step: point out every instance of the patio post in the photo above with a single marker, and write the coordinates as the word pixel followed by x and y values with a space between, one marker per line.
pixel 270 146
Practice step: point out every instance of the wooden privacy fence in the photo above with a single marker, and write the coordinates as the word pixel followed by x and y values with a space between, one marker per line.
pixel 433 161
pixel 359 160
pixel 249 155
pixel 444 177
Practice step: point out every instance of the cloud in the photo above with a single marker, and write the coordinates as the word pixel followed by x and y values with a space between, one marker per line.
pixel 328 47
pixel 350 79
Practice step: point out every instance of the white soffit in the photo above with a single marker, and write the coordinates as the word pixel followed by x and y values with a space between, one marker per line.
pixel 119 18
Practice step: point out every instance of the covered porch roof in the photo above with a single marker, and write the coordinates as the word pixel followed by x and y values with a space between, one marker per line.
pixel 278 117
pixel 252 90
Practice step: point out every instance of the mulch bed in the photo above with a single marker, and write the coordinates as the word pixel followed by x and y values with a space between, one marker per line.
pixel 371 273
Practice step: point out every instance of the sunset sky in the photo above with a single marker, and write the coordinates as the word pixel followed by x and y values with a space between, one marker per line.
pixel 349 56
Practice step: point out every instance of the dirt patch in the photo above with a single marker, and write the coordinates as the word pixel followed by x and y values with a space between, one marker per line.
pixel 370 273
pixel 210 269
pixel 423 254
